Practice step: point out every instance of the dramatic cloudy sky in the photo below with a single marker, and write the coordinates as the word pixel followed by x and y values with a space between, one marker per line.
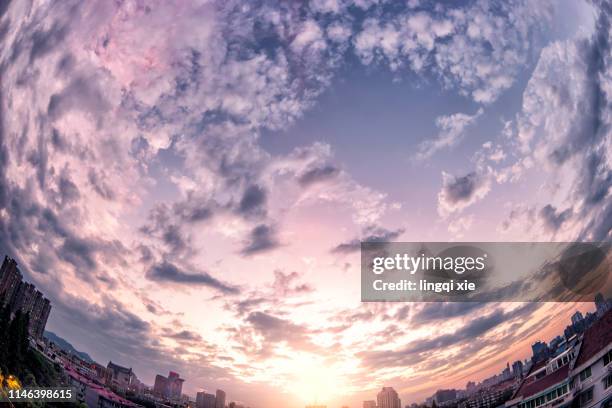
pixel 188 181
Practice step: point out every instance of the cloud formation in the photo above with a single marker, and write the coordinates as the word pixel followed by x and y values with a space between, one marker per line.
pixel 157 156
pixel 459 192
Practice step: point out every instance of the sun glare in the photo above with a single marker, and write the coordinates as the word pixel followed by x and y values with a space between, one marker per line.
pixel 317 383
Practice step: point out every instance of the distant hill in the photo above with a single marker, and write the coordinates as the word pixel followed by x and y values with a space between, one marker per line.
pixel 67 347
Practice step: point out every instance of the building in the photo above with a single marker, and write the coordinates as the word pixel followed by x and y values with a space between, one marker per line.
pixel 369 404
pixel 577 317
pixel 170 388
pixel 602 305
pixel 220 399
pixel 443 396
pixel 174 386
pixel 517 369
pixel 93 394
pixel 388 398
pixel 10 278
pixel 205 400
pixel 23 296
pixel 118 377
pixel 160 385
pixel 544 384
pixel 540 351
pixel 493 396
pixel 591 377
pixel 580 376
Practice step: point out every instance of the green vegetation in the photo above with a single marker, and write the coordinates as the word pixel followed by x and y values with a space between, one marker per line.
pixel 16 356
pixel 27 364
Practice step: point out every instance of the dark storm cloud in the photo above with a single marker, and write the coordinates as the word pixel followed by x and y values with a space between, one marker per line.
pixel 553 220
pixel 184 335
pixel 30 223
pixel 596 175
pixel 168 272
pixel 38 158
pixel 4 7
pixel 169 223
pixel 441 311
pixel 318 174
pixel 262 238
pixel 590 130
pixel 470 332
pixel 44 41
pixel 69 192
pixel 253 201
pixel 193 209
pixel 4 155
pixel 596 178
pixel 80 94
pixel 461 188
pixel 96 181
pixel 78 252
pixel 112 318
pixel 600 227
pixel 276 330
pixel 163 226
pixel 371 234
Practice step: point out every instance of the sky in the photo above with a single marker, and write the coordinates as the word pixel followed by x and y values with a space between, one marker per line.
pixel 189 181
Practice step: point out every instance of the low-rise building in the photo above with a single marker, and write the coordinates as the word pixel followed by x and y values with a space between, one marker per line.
pixel 581 376
pixel 591 377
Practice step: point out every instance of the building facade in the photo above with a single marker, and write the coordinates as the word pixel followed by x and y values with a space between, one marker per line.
pixel 388 398
pixel 23 296
pixel 220 399
pixel 580 376
pixel 205 400
pixel 118 377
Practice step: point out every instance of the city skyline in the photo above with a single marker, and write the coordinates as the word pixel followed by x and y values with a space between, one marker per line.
pixel 120 379
pixel 188 182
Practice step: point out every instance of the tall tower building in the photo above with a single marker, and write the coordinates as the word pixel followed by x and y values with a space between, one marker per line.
pixel 23 296
pixel 175 385
pixel 388 398
pixel 220 399
pixel 10 278
pixel 205 400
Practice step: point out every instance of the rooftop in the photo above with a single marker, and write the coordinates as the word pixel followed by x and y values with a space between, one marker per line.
pixel 596 337
pixel 119 368
pixel 99 389
pixel 530 386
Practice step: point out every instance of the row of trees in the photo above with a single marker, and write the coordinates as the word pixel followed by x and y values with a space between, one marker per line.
pixel 16 356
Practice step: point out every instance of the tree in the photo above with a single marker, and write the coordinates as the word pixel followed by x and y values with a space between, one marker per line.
pixel 5 320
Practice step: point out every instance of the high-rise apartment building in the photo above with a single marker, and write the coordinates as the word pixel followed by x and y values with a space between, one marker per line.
pixel 220 399
pixel 23 296
pixel 388 398
pixel 205 400
pixel 10 278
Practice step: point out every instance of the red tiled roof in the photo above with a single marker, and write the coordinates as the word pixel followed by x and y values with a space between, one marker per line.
pixel 598 336
pixel 528 389
pixel 105 392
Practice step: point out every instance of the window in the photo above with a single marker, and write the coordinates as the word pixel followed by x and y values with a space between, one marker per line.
pixel 607 358
pixel 586 397
pixel 607 382
pixel 586 373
